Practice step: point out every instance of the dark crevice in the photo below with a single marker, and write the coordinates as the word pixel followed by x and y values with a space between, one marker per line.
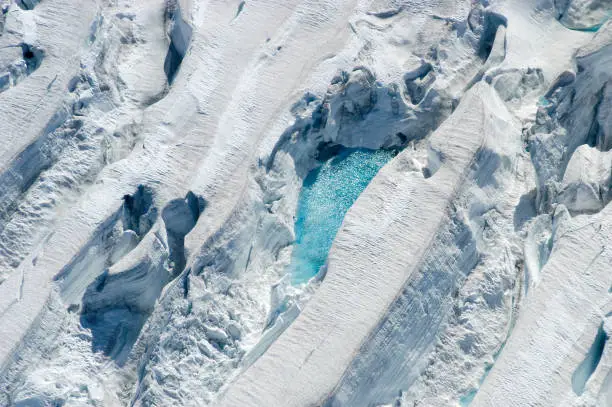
pixel 15 72
pixel 525 209
pixel 561 7
pixel 564 79
pixel 172 62
pixel 326 150
pixel 180 37
pixel 402 138
pixel 418 73
pixel 27 4
pixel 586 368
pixel 185 284
pixel 595 136
pixel 3 12
pixel 384 14
pixel 418 82
pixel 180 216
pixel 426 173
pixel 319 117
pixel 32 56
pixel 434 162
pixel 138 213
pixel 491 23
pixel 240 8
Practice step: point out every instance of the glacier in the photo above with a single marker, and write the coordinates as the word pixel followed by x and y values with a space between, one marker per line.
pixel 305 203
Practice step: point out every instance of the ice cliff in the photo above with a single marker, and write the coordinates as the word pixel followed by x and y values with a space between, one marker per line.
pixel 305 203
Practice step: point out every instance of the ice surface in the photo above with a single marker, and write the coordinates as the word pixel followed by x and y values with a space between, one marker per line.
pixel 305 202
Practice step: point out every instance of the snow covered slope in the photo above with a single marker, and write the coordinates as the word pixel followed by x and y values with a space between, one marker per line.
pixel 153 156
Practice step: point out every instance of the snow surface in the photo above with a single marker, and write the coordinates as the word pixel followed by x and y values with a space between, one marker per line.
pixel 162 242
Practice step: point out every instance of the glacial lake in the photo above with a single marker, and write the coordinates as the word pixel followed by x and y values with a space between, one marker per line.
pixel 327 194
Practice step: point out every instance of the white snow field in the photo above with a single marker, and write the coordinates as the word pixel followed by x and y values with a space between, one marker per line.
pixel 305 203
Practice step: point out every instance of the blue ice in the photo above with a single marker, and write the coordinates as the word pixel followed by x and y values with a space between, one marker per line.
pixel 327 194
pixel 593 28
pixel 588 366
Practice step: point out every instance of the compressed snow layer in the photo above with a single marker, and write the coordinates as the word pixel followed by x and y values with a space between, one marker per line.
pixel 559 321
pixel 153 157
pixel 327 193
